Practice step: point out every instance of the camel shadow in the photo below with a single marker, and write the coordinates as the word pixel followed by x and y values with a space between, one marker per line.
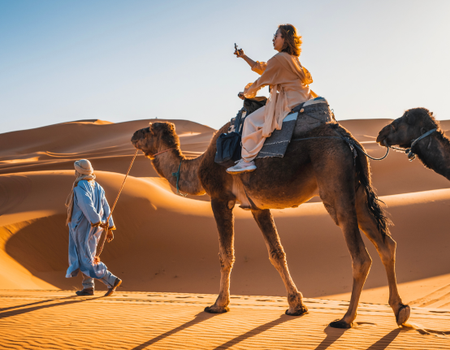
pixel 384 342
pixel 30 309
pixel 333 334
pixel 256 331
pixel 200 317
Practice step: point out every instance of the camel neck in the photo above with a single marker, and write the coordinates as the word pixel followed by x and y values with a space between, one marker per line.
pixel 170 163
pixel 435 153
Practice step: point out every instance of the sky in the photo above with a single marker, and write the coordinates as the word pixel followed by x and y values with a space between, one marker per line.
pixel 119 61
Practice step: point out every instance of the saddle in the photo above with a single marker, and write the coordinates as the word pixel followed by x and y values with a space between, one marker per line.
pixel 302 118
pixel 228 144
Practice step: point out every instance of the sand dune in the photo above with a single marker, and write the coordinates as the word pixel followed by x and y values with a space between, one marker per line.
pixel 131 320
pixel 167 243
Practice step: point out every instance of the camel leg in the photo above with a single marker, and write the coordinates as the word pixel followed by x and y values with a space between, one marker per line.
pixel 386 249
pixel 361 263
pixel 224 220
pixel 339 201
pixel 277 257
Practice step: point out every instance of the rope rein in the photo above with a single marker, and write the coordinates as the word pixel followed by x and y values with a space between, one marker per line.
pixel 349 141
pixel 352 143
pixel 102 243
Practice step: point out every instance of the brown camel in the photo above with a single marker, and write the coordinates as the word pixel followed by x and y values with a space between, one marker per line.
pixel 323 166
pixel 417 124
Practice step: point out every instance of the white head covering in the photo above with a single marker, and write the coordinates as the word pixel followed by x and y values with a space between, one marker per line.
pixel 84 171
pixel 83 166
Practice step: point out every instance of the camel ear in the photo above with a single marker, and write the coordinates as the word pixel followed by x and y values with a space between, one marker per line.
pixel 172 126
pixel 150 128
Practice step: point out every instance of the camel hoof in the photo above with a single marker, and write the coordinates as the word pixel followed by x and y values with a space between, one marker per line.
pixel 302 311
pixel 216 310
pixel 403 314
pixel 341 324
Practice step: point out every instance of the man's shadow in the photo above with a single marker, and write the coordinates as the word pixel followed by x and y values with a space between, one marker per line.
pixel 200 317
pixel 34 308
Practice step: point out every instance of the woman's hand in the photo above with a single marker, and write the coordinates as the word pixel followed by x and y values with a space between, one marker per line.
pixel 239 53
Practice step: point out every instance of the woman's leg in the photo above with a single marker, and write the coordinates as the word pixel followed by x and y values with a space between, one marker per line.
pixel 252 142
pixel 252 139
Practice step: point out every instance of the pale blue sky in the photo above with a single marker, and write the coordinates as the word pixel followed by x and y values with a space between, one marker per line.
pixel 126 60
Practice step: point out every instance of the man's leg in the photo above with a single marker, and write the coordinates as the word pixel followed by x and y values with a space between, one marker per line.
pixel 88 282
pixel 88 286
pixel 112 282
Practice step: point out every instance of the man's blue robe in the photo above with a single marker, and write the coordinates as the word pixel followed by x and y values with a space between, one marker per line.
pixel 89 207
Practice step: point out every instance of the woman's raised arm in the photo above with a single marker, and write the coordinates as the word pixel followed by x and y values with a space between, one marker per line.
pixel 240 54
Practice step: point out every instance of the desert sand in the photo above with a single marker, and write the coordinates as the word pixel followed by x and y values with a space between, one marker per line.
pixel 166 249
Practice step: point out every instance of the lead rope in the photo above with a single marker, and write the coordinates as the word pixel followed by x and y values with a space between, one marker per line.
pixel 103 239
pixel 349 141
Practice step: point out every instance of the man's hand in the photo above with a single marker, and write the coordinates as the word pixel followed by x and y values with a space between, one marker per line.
pixel 109 236
pixel 103 224
pixel 96 259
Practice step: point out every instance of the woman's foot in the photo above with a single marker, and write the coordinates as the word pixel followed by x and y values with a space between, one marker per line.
pixel 242 167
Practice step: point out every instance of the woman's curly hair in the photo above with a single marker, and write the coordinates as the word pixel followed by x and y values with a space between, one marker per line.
pixel 292 41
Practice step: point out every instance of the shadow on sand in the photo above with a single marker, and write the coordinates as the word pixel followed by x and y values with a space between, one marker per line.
pixel 200 317
pixel 256 331
pixel 333 334
pixel 384 342
pixel 30 309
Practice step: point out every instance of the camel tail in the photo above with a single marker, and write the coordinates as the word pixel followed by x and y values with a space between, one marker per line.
pixel 373 203
pixel 363 175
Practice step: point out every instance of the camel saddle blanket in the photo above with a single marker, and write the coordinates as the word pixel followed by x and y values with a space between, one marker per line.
pixel 303 118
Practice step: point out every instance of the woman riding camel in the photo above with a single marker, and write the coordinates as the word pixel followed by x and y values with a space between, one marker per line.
pixel 289 82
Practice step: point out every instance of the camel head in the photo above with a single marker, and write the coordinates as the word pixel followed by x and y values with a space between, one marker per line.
pixel 156 138
pixel 412 124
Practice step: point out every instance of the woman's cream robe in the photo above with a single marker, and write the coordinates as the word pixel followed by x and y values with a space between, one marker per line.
pixel 289 83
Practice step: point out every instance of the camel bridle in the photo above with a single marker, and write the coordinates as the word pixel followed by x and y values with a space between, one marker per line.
pixel 157 154
pixel 411 155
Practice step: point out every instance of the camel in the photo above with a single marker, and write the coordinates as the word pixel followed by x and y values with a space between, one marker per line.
pixel 414 131
pixel 323 166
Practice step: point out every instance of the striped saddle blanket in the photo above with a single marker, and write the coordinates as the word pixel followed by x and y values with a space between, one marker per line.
pixel 302 118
